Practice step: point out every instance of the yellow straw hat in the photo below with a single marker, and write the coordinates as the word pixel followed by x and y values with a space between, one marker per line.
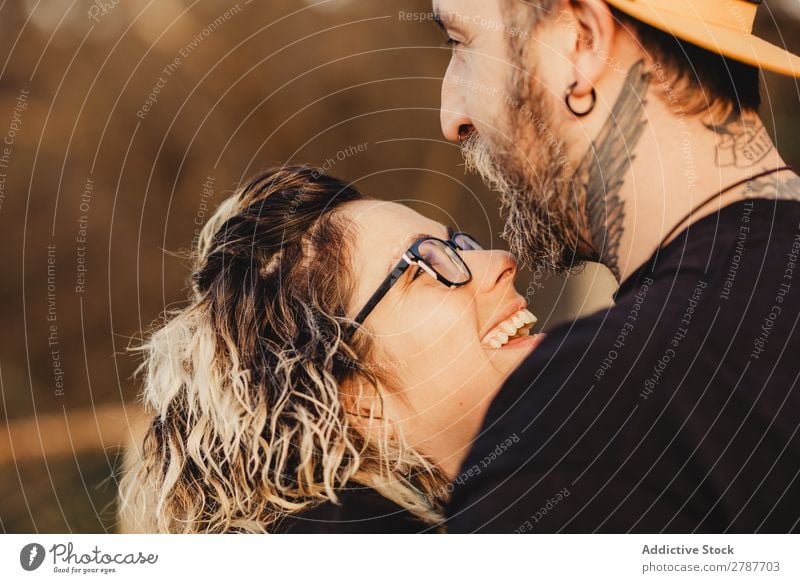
pixel 721 26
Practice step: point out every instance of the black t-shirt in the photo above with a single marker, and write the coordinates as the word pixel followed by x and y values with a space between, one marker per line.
pixel 675 410
pixel 360 510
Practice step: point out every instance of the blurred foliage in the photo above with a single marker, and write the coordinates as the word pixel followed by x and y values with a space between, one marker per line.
pixel 130 108
pixel 60 495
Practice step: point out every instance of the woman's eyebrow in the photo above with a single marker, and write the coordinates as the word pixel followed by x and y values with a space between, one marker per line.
pixel 404 246
pixel 408 241
pixel 413 238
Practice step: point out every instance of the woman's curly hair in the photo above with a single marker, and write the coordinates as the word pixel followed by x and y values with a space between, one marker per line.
pixel 249 420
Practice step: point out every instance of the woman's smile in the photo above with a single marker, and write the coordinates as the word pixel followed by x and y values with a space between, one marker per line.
pixel 516 324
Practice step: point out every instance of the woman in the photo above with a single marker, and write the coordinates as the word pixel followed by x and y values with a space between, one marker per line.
pixel 334 363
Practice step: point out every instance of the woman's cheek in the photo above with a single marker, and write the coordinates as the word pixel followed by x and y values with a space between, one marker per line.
pixel 457 339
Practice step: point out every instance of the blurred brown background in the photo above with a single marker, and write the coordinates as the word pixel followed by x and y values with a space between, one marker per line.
pixel 126 122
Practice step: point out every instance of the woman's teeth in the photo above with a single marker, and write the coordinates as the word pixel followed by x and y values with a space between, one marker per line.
pixel 517 325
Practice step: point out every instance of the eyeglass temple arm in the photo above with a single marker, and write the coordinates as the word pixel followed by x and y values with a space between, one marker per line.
pixel 384 288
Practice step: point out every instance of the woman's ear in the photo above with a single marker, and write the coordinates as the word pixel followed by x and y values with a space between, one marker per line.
pixel 594 36
pixel 364 406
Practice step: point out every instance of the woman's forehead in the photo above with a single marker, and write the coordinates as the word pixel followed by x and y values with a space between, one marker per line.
pixel 389 223
pixel 383 230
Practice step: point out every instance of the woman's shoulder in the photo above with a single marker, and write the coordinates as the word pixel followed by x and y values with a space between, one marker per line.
pixel 359 510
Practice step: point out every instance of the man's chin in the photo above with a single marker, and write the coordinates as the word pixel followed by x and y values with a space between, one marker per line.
pixel 547 254
pixel 539 236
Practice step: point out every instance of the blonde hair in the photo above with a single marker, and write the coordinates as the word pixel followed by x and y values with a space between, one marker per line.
pixel 250 423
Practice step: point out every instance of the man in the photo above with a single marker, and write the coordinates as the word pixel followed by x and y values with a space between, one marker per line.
pixel 626 132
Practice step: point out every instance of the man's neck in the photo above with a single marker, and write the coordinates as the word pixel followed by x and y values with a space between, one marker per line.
pixel 651 165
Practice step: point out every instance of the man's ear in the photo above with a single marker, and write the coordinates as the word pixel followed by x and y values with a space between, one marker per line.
pixel 594 36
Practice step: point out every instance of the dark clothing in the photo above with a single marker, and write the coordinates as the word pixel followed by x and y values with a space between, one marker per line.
pixel 360 510
pixel 676 410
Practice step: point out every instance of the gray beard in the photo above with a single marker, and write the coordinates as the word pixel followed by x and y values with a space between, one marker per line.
pixel 537 197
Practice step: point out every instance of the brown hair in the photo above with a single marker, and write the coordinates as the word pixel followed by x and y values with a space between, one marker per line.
pixel 702 79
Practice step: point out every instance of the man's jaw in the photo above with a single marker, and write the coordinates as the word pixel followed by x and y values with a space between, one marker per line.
pixel 538 229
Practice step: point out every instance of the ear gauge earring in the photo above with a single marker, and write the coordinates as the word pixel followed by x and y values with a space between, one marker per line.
pixel 572 109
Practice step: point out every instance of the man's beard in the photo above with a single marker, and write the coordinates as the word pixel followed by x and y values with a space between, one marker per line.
pixel 534 180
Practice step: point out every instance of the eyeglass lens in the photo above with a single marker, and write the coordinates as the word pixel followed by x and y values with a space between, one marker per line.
pixel 446 261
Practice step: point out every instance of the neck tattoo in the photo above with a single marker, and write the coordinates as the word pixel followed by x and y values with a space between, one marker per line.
pixel 601 174
pixel 741 142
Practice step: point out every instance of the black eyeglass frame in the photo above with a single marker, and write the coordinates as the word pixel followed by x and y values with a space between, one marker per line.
pixel 411 257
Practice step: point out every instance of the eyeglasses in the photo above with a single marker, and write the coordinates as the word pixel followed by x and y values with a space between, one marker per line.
pixel 436 257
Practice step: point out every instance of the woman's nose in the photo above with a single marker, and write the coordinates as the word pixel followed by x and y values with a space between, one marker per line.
pixel 491 268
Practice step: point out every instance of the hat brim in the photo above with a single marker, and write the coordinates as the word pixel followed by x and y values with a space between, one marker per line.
pixel 733 44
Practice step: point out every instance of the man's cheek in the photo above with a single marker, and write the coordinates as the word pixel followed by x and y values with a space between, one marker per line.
pixel 492 89
pixel 489 106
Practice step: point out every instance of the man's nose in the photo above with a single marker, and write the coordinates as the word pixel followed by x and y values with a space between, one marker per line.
pixel 453 113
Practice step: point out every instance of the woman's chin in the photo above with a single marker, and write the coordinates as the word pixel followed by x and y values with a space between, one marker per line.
pixel 519 343
pixel 523 342
pixel 514 351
